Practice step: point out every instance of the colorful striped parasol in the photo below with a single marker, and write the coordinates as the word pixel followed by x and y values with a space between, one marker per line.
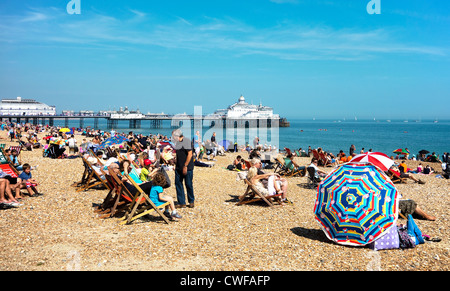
pixel 356 204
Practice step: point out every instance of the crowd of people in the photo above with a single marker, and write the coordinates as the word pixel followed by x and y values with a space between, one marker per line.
pixel 17 176
pixel 146 159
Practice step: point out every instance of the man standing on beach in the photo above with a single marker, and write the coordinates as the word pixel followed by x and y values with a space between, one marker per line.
pixel 184 169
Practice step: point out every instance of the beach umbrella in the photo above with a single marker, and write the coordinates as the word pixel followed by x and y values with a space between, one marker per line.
pixel 117 139
pixel 401 151
pixel 65 129
pixel 225 143
pixel 424 152
pixel 378 159
pixel 356 204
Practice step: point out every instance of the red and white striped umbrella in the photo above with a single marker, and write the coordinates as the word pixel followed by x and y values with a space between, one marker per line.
pixel 377 159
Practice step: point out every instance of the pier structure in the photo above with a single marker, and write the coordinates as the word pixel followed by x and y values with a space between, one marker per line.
pixel 155 120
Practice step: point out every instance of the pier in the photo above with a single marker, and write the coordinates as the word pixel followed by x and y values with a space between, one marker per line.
pixel 155 120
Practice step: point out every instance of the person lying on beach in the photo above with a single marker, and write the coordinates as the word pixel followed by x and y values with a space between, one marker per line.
pixel 403 170
pixel 408 206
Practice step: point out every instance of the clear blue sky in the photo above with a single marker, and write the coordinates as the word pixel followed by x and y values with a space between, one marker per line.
pixel 304 58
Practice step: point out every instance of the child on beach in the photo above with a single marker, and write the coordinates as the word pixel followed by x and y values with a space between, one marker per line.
pixel 158 198
pixel 28 182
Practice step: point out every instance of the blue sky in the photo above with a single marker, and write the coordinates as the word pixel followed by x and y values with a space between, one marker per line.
pixel 304 58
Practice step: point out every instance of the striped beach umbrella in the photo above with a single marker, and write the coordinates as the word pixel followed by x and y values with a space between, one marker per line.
pixel 356 204
pixel 401 151
pixel 378 159
pixel 118 139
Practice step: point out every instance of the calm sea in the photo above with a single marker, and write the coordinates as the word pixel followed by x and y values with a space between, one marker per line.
pixel 332 135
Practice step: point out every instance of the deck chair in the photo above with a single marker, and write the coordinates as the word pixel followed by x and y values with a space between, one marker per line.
pixel 7 166
pixel 288 151
pixel 280 167
pixel 2 145
pixel 253 195
pixel 313 181
pixel 116 200
pixel 316 154
pixel 93 179
pixel 323 160
pixel 395 177
pixel 141 205
pixel 292 170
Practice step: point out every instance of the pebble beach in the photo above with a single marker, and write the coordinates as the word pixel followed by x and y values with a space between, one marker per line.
pixel 60 231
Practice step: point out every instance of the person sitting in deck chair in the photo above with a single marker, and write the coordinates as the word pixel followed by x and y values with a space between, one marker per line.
pixel 158 198
pixel 318 173
pixel 267 184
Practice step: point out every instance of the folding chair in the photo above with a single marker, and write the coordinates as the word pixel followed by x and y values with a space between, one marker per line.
pixel 141 205
pixel 291 170
pixel 113 204
pixel 395 177
pixel 323 160
pixel 92 180
pixel 280 167
pixel 312 179
pixel 253 195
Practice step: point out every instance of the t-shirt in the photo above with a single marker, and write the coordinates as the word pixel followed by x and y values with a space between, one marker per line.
pixel 24 176
pixel 182 149
pixel 144 174
pixel 154 195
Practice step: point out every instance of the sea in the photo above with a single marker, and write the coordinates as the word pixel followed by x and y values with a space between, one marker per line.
pixel 331 135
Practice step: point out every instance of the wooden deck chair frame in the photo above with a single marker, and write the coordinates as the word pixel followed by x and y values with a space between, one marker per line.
pixel 113 203
pixel 280 167
pixel 395 178
pixel 253 195
pixel 316 155
pixel 292 171
pixel 93 179
pixel 313 182
pixel 323 160
pixel 5 160
pixel 141 205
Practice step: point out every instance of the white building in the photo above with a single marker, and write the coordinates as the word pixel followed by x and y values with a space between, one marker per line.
pixel 27 107
pixel 126 114
pixel 243 110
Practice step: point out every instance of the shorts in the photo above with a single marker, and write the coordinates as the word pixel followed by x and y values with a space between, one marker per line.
pixel 407 207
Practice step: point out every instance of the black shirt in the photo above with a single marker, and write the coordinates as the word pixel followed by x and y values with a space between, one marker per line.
pixel 182 149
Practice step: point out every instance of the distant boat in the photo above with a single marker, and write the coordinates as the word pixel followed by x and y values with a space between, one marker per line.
pixel 388 120
pixel 436 121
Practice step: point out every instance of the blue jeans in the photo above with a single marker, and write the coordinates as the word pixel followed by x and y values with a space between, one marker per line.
pixel 179 177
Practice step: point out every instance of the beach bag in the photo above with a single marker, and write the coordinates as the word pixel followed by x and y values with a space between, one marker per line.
pixel 405 241
pixel 388 241
pixel 414 231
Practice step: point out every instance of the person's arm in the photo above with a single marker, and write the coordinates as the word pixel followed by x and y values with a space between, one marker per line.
pixel 188 160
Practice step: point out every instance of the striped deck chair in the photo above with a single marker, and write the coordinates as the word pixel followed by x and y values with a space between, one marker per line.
pixel 141 206
pixel 92 180
pixel 114 202
pixel 253 195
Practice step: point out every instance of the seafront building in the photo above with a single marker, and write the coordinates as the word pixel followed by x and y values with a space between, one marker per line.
pixel 25 107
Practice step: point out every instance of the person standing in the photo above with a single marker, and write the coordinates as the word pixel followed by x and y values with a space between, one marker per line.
pixel 184 169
